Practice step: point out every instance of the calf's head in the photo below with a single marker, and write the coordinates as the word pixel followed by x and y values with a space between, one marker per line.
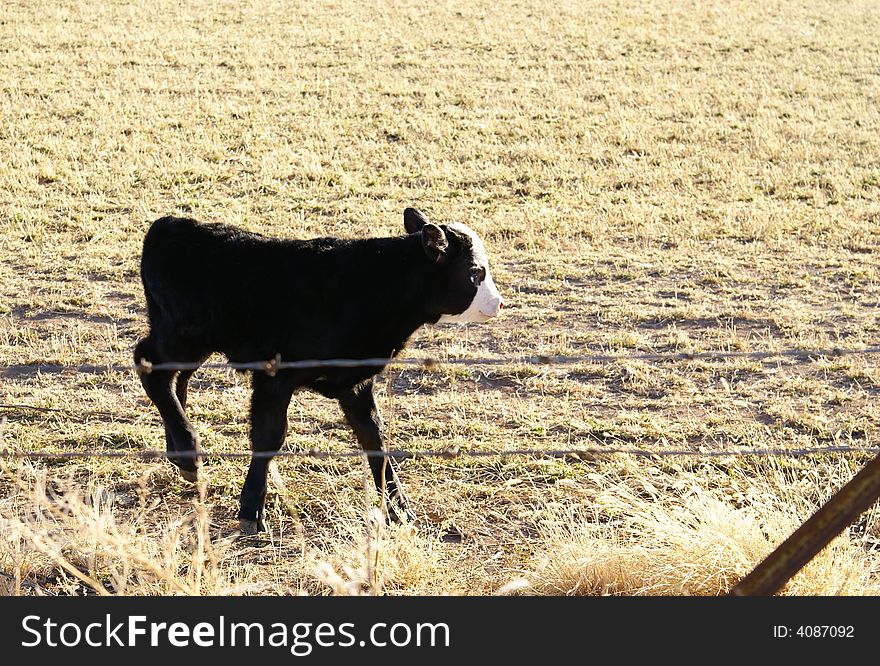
pixel 465 291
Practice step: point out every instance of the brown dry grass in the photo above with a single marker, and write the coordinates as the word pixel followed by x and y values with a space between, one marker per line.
pixel 646 175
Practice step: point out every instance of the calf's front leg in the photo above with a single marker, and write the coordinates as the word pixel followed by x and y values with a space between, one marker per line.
pixel 359 407
pixel 269 403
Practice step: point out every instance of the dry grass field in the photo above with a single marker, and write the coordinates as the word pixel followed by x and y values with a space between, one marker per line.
pixel 648 176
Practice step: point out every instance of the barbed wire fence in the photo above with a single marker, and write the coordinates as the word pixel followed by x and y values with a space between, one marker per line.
pixel 767 578
pixel 276 364
pixel 431 364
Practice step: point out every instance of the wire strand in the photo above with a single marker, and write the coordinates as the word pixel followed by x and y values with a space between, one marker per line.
pixel 431 363
pixel 449 453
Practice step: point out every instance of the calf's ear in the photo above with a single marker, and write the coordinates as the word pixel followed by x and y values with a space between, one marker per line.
pixel 434 241
pixel 413 220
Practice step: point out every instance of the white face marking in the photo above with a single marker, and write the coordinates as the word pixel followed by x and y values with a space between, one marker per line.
pixel 487 301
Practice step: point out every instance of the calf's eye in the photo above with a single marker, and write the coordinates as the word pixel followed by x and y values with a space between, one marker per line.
pixel 478 274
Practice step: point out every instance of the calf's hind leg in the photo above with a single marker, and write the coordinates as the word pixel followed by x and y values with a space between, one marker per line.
pixel 269 403
pixel 181 384
pixel 180 436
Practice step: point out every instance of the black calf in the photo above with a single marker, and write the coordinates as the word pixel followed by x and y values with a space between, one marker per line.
pixel 214 288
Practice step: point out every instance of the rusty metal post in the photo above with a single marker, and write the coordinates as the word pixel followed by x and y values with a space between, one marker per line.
pixel 811 537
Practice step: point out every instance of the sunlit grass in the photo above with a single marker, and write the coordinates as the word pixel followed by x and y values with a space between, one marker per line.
pixel 647 176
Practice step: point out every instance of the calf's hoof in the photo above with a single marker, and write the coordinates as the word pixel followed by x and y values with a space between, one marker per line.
pixel 400 514
pixel 248 527
pixel 192 476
